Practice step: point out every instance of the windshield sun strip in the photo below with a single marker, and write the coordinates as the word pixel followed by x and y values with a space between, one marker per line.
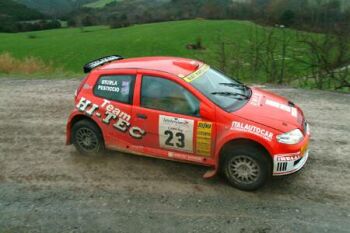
pixel 198 73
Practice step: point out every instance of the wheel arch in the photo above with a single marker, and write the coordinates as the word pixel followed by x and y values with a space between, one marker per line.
pixel 76 118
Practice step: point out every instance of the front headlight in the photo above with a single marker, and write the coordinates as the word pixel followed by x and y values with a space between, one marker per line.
pixel 293 137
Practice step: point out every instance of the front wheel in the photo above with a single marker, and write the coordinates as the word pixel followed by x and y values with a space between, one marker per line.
pixel 87 138
pixel 246 167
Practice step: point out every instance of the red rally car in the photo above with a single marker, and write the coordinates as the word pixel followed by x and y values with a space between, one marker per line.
pixel 182 109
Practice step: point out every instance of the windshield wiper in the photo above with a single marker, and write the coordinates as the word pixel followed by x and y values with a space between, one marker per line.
pixel 235 85
pixel 226 93
pixel 232 84
pixel 239 85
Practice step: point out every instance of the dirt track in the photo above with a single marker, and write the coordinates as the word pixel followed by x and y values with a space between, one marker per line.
pixel 46 186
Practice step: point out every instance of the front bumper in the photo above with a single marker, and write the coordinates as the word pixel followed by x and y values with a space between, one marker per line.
pixel 285 164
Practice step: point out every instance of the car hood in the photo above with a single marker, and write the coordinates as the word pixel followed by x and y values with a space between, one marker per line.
pixel 272 110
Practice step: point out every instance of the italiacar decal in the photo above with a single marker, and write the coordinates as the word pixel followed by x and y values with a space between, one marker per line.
pixel 113 115
pixel 245 127
pixel 176 133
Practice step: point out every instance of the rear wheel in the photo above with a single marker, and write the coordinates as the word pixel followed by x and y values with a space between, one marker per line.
pixel 245 167
pixel 87 138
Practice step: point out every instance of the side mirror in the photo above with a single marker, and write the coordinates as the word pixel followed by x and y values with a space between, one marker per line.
pixel 206 112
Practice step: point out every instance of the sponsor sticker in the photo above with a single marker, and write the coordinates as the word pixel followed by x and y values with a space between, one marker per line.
pixel 293 111
pixel 204 138
pixel 245 127
pixel 125 87
pixel 255 100
pixel 287 158
pixel 176 133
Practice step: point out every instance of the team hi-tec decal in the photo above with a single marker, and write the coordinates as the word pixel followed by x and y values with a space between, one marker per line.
pixel 176 133
pixel 121 119
pixel 252 129
pixel 204 131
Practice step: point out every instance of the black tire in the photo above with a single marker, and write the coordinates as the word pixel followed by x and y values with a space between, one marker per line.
pixel 87 138
pixel 246 167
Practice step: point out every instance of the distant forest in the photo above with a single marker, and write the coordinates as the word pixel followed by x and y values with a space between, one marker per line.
pixel 308 15
pixel 15 17
pixel 33 15
pixel 55 8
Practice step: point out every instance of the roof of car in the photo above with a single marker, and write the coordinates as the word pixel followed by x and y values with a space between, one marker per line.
pixel 173 65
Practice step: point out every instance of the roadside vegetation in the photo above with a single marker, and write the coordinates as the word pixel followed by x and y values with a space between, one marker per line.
pixel 29 66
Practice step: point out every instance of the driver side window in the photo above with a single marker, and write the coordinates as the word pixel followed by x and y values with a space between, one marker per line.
pixel 165 95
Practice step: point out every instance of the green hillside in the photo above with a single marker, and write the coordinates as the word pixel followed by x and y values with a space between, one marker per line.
pixel 71 48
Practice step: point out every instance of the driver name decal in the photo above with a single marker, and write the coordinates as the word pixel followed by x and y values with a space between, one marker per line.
pixel 244 127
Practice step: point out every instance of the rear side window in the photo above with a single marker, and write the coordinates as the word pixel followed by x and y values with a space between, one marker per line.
pixel 115 87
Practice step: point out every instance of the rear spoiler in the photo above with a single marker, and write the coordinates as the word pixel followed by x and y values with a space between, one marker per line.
pixel 101 61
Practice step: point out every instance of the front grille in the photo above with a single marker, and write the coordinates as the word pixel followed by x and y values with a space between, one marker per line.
pixel 281 167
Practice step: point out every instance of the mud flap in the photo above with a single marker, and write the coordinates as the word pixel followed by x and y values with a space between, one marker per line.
pixel 210 173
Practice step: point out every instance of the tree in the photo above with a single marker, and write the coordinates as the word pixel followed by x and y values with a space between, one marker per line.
pixel 328 59
pixel 287 18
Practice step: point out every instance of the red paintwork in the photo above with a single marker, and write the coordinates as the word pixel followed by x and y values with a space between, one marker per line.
pixel 263 116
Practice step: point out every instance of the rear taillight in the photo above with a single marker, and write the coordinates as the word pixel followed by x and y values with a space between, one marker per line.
pixel 77 91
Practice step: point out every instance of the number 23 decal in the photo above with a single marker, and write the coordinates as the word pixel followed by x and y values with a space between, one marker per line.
pixel 179 141
pixel 176 133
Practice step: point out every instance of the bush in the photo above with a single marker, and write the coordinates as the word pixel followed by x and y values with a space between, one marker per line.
pixel 32 36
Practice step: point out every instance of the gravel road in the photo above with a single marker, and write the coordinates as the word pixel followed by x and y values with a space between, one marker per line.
pixel 46 186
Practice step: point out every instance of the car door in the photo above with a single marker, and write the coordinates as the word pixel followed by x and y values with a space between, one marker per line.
pixel 114 94
pixel 169 114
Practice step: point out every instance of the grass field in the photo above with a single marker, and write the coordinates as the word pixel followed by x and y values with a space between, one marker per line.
pixel 71 48
pixel 98 4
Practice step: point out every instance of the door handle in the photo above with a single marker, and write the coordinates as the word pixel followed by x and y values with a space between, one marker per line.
pixel 141 116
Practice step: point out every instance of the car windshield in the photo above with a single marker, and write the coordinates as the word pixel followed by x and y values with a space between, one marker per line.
pixel 225 92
